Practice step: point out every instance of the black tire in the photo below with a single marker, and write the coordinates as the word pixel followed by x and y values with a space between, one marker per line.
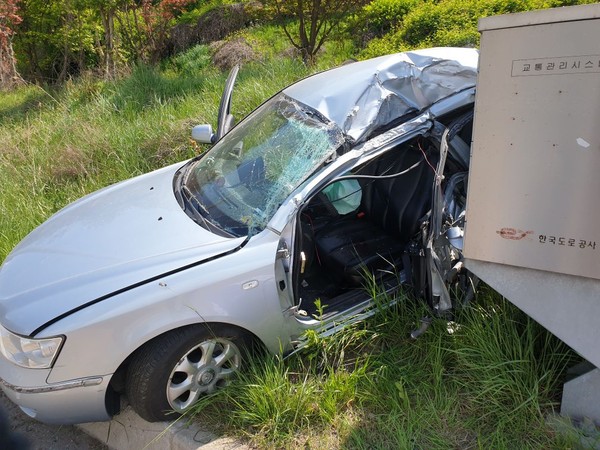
pixel 171 372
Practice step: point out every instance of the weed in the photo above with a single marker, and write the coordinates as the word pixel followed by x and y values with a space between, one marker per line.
pixel 485 381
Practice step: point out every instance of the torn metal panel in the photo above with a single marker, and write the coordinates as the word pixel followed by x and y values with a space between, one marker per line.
pixel 367 95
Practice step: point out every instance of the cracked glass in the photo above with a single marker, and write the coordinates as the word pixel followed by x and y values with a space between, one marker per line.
pixel 240 183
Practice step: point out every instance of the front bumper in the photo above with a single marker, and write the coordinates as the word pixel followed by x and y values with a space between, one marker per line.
pixel 73 401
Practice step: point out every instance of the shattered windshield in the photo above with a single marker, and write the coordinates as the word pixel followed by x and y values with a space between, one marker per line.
pixel 240 183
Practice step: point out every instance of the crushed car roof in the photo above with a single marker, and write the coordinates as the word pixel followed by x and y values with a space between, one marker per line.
pixel 365 95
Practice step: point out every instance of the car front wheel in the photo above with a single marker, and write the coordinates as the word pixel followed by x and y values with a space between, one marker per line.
pixel 173 371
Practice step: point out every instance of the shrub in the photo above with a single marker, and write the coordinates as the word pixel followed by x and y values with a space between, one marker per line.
pixel 213 25
pixel 447 23
pixel 191 62
pixel 232 52
pixel 379 18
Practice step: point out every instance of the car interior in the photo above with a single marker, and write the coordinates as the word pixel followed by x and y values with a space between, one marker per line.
pixel 370 223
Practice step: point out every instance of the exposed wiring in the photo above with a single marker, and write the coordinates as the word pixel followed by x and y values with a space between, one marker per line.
pixel 426 159
pixel 380 177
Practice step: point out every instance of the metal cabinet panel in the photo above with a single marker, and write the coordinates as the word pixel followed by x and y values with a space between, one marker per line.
pixel 534 179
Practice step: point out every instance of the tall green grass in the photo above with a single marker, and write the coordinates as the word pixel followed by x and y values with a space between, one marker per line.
pixel 488 380
pixel 57 145
pixel 80 141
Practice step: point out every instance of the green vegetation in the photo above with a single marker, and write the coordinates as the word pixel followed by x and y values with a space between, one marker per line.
pixel 59 144
pixel 487 380
pixel 51 42
pixel 388 26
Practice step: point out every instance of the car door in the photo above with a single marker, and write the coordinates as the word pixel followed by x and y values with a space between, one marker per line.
pixel 204 133
pixel 225 120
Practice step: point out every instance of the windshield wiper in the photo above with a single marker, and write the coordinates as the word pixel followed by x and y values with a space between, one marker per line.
pixel 192 204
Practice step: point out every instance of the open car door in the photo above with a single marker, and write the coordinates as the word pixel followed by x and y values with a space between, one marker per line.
pixel 226 119
pixel 204 133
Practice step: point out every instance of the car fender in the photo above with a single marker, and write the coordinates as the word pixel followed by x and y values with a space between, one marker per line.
pixel 239 289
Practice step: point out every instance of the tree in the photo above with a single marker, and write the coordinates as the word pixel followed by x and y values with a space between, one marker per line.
pixel 57 39
pixel 316 20
pixel 108 10
pixel 9 19
pixel 145 25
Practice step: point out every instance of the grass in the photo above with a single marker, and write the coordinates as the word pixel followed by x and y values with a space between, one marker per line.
pixel 56 153
pixel 488 380
pixel 58 145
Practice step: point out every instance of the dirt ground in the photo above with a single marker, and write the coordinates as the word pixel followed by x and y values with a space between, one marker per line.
pixel 38 436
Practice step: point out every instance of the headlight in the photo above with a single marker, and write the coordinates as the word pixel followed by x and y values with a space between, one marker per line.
pixel 30 353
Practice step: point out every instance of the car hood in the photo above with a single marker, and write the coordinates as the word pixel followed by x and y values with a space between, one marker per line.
pixel 105 242
pixel 366 95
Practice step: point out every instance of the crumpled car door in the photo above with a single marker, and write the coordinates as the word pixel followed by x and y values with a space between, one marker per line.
pixel 443 243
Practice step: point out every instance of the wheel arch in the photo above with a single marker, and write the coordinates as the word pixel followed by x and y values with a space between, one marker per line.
pixel 118 380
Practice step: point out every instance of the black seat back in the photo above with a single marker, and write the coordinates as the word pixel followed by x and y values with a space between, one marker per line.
pixel 396 204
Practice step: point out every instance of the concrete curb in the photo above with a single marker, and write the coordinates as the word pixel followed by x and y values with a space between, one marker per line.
pixel 127 431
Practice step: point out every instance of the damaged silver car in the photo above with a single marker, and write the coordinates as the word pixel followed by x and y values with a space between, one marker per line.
pixel 152 288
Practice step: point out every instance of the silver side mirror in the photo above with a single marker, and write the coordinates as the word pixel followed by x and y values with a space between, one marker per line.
pixel 203 134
